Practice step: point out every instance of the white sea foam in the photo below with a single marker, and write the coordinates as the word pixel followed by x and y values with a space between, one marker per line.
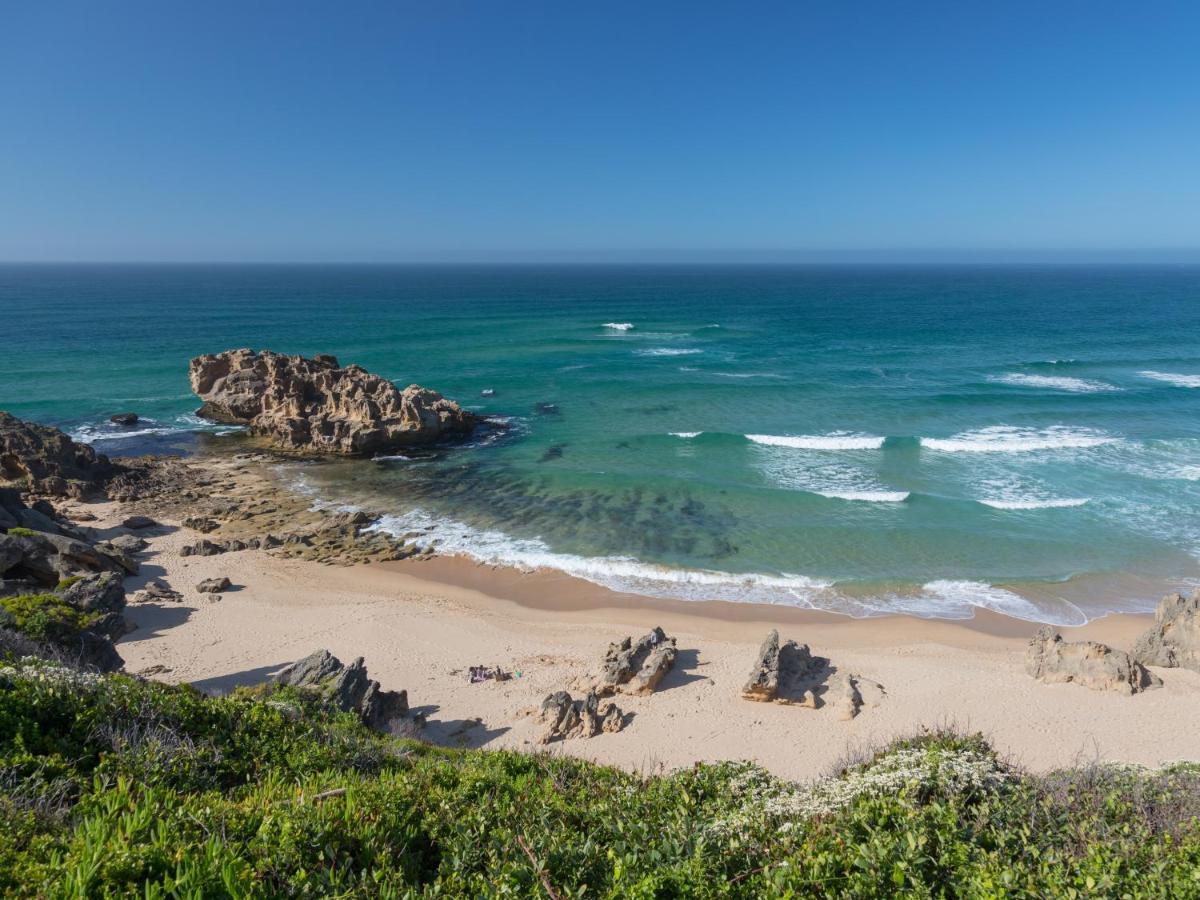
pixel 965 596
pixel 1055 383
pixel 937 599
pixel 1008 439
pixel 668 351
pixel 867 496
pixel 619 326
pixel 618 573
pixel 391 457
pixel 837 440
pixel 1049 503
pixel 1186 381
pixel 100 432
pixel 749 375
pixel 686 434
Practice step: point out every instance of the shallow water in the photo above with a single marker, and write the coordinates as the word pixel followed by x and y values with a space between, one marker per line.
pixel 858 439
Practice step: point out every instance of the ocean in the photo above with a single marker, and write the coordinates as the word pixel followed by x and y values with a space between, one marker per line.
pixel 861 439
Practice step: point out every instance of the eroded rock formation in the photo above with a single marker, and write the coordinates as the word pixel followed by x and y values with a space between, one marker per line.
pixel 1051 659
pixel 788 673
pixel 1174 639
pixel 636 668
pixel 46 461
pixel 316 405
pixel 779 666
pixel 348 688
pixel 566 718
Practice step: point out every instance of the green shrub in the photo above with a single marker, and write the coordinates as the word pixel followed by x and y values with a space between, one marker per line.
pixel 112 786
pixel 65 583
pixel 21 531
pixel 45 617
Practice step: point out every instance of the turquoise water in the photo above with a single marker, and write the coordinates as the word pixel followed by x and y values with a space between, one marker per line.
pixel 856 439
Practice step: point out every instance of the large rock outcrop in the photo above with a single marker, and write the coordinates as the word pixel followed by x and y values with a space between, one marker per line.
pixel 635 667
pixel 46 461
pixel 1051 659
pixel 347 688
pixel 316 405
pixel 1174 639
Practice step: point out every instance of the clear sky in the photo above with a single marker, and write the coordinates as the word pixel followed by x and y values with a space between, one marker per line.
pixel 510 130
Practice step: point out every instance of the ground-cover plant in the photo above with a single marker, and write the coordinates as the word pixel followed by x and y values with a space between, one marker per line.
pixel 43 617
pixel 113 786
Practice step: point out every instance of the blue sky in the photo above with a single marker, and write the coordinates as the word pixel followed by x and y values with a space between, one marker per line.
pixel 318 131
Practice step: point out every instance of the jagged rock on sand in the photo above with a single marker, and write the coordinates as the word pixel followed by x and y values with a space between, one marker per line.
pixel 636 668
pixel 157 590
pixel 566 718
pixel 129 543
pixel 47 461
pixel 136 523
pixel 789 673
pixel 214 585
pixel 319 406
pixel 348 688
pixel 778 666
pixel 1051 659
pixel 202 524
pixel 1174 639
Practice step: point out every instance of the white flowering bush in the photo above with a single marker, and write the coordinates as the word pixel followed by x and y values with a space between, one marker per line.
pixel 37 671
pixel 766 802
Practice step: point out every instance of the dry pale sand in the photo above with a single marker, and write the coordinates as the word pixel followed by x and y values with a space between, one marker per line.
pixel 421 624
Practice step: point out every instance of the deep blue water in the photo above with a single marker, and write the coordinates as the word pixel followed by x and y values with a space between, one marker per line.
pixel 853 438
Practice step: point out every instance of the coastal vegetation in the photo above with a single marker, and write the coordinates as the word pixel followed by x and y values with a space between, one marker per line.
pixel 111 785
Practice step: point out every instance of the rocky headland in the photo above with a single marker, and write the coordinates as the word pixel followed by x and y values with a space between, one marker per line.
pixel 316 405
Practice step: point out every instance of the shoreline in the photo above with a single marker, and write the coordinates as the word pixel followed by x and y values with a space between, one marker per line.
pixel 421 623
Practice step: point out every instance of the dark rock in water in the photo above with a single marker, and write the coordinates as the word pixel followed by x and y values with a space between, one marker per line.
pixel 214 585
pixel 348 688
pixel 1051 659
pixel 125 418
pixel 636 668
pixel 1174 639
pixel 139 522
pixel 554 452
pixel 547 409
pixel 48 461
pixel 315 405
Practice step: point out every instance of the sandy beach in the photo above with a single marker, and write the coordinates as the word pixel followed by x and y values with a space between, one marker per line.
pixel 420 624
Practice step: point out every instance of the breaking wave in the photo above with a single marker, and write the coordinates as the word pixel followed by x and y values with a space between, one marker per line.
pixel 101 432
pixel 1055 383
pixel 837 440
pixel 1186 381
pixel 1063 503
pixel 1009 439
pixel 668 351
pixel 618 326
